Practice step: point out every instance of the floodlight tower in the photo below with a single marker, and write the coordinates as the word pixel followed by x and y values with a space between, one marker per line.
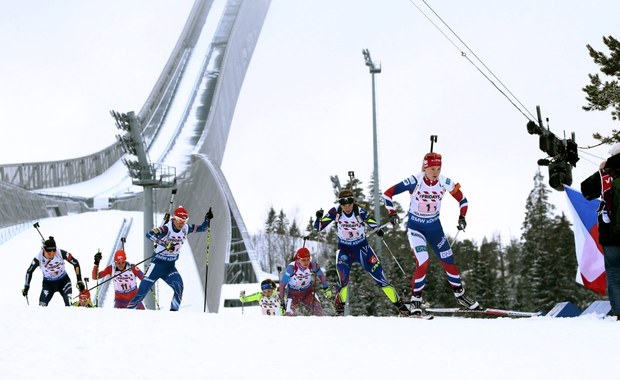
pixel 375 69
pixel 142 172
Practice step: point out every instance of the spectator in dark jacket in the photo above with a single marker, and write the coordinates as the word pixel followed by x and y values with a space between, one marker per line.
pixel 603 184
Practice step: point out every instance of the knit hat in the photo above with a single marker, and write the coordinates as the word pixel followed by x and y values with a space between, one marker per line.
pixel 181 213
pixel 84 294
pixel 120 255
pixel 267 284
pixel 302 253
pixel 431 159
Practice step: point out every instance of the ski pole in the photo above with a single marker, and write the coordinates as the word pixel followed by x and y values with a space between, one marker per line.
pixel 375 230
pixel 85 284
pixel 207 265
pixel 27 302
pixel 399 266
pixel 455 236
pixel 314 296
pixel 155 299
pixel 123 240
pixel 279 268
pixel 97 282
pixel 394 257
pixel 119 273
pixel 167 216
pixel 242 294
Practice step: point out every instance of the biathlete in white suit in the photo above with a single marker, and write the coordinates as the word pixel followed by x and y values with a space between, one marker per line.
pixel 169 238
pixel 268 298
pixel 51 261
pixel 124 277
pixel 299 282
pixel 427 190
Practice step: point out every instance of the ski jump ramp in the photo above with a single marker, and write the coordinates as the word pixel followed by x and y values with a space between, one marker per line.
pixel 185 124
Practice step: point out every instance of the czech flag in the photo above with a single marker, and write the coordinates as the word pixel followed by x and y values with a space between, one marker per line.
pixel 590 262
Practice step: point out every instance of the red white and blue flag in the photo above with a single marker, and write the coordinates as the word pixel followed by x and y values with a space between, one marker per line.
pixel 590 262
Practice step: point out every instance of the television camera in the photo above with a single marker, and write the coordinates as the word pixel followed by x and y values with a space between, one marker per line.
pixel 563 155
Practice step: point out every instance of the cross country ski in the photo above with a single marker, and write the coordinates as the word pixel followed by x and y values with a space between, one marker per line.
pixel 488 312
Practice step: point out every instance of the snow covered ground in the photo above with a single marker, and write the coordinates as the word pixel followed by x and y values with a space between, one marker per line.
pixel 71 343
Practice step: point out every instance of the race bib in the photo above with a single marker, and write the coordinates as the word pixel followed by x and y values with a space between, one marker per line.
pixel 427 208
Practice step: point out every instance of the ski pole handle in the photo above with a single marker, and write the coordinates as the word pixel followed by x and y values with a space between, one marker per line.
pixel 374 231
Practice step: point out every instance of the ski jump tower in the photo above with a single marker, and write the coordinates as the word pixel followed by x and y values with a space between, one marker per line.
pixel 195 147
pixel 205 126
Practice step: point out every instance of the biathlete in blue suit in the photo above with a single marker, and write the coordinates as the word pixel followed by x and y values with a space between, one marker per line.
pixel 353 247
pixel 169 238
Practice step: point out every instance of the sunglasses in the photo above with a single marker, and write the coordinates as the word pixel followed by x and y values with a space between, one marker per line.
pixel 49 249
pixel 346 201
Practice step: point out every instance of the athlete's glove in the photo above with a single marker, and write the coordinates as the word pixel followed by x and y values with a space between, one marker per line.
pixel 605 217
pixel 25 291
pixel 394 219
pixel 462 223
pixel 380 232
pixel 170 246
pixel 319 214
pixel 80 285
pixel 242 296
pixel 283 306
pixel 327 292
pixel 209 214
pixel 98 257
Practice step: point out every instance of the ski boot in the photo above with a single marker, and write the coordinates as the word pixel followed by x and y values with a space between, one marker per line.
pixel 416 303
pixel 464 301
pixel 403 310
pixel 338 308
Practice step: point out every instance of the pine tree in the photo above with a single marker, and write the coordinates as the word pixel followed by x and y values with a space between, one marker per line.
pixel 513 267
pixel 464 254
pixel 484 281
pixel 604 95
pixel 279 242
pixel 537 238
pixel 284 247
pixel 270 232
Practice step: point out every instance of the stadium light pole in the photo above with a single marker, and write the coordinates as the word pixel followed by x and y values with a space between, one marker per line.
pixel 142 173
pixel 375 69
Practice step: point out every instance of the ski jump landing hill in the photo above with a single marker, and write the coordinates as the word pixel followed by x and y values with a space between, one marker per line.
pixel 185 123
